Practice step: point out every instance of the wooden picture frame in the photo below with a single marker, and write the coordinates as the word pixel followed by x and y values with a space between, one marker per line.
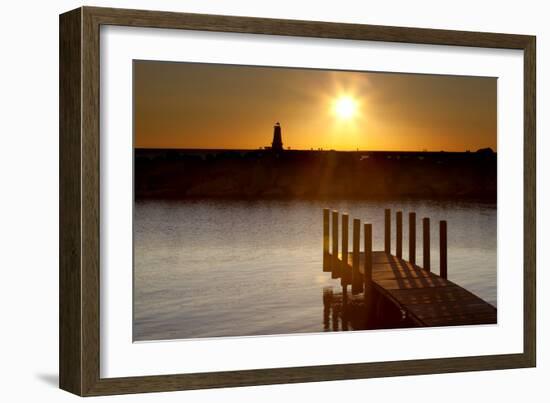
pixel 79 346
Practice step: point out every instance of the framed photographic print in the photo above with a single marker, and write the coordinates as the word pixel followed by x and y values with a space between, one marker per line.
pixel 249 201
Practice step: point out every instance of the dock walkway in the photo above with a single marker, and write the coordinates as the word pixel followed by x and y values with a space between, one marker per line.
pixel 424 297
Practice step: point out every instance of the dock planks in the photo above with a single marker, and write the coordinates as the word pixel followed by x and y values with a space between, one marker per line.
pixel 426 298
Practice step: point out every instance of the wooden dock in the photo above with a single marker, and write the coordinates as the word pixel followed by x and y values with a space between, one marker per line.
pixel 424 298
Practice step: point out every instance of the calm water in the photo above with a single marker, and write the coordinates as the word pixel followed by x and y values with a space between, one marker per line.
pixel 235 268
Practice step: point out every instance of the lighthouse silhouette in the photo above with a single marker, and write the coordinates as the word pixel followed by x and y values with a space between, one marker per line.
pixel 277 144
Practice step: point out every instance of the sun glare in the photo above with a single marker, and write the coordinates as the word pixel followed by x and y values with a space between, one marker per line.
pixel 345 107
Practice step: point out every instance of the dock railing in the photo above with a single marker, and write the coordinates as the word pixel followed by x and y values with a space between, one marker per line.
pixel 337 262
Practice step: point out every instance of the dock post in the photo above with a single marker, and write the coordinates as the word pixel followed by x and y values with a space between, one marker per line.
pixel 443 249
pixel 334 262
pixel 399 234
pixel 326 239
pixel 356 281
pixel 367 277
pixel 426 242
pixel 412 238
pixel 344 270
pixel 387 230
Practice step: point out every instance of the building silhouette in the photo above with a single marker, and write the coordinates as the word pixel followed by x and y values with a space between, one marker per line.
pixel 277 144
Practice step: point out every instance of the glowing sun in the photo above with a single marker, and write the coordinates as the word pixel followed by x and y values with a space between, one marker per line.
pixel 345 107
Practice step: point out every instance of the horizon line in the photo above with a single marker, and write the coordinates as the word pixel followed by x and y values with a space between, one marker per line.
pixel 312 149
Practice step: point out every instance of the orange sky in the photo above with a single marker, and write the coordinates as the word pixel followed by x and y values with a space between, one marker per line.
pixel 190 105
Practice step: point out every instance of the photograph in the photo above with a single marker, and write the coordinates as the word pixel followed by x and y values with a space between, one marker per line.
pixel 281 200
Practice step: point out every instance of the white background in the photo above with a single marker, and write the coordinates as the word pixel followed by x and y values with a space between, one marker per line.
pixel 29 202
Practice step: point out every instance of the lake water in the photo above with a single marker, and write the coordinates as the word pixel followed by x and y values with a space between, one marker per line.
pixel 207 268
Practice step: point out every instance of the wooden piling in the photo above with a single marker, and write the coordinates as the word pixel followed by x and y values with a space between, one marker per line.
pixel 344 269
pixel 356 280
pixel 326 239
pixel 443 249
pixel 412 238
pixel 399 234
pixel 426 242
pixel 334 262
pixel 367 270
pixel 387 230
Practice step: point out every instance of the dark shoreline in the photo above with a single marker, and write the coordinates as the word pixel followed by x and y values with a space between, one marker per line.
pixel 315 175
pixel 444 200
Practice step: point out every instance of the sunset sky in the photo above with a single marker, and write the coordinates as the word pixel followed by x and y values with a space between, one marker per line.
pixel 188 105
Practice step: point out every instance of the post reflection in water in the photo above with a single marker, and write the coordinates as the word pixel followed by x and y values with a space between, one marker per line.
pixel 343 311
pixel 340 312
